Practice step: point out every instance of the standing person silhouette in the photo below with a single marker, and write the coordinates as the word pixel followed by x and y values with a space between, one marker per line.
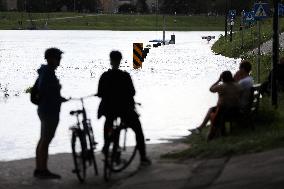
pixel 117 91
pixel 48 110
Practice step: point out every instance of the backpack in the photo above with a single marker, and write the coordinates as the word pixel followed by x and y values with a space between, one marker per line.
pixel 35 93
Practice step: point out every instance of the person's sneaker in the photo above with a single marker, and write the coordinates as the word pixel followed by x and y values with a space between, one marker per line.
pixel 46 174
pixel 196 130
pixel 145 162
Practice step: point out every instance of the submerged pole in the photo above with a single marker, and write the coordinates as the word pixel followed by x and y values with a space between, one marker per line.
pixel 164 29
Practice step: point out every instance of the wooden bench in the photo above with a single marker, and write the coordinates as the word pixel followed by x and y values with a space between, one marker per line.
pixel 246 117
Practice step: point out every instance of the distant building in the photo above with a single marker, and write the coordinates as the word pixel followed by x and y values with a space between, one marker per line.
pixel 9 4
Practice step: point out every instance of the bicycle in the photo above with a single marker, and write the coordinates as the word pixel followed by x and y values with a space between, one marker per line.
pixel 82 142
pixel 118 154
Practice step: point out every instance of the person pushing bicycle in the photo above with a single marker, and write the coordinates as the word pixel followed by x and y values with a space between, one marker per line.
pixel 117 91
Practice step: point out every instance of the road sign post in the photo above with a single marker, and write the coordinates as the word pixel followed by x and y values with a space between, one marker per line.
pixel 261 11
pixel 242 28
pixel 232 16
pixel 226 20
pixel 231 30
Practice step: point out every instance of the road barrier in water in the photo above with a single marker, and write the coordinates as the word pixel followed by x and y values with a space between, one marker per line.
pixel 173 39
pixel 137 55
pixel 145 52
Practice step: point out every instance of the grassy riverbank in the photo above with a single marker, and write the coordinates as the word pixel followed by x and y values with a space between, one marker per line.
pixel 235 49
pixel 78 21
pixel 268 134
pixel 269 128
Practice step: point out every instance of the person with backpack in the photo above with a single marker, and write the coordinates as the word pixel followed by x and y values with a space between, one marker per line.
pixel 46 94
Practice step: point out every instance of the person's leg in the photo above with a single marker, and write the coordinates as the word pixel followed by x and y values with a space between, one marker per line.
pixel 108 125
pixel 217 125
pixel 38 148
pixel 132 120
pixel 42 154
pixel 48 128
pixel 207 118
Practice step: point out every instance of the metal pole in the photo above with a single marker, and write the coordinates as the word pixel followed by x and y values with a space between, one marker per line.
pixel 231 30
pixel 164 29
pixel 275 57
pixel 226 20
pixel 242 28
pixel 258 52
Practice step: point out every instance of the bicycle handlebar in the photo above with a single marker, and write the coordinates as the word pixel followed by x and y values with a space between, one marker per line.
pixel 94 95
pixel 76 112
pixel 82 98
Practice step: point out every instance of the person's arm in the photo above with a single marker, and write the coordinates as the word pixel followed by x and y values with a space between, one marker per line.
pixel 100 87
pixel 238 76
pixel 215 87
pixel 64 99
pixel 131 88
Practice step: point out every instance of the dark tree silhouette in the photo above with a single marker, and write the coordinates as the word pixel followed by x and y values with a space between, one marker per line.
pixel 142 6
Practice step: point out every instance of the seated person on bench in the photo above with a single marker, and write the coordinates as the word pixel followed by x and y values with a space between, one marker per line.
pixel 243 77
pixel 228 101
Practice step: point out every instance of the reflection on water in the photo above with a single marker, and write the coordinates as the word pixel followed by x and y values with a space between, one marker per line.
pixel 172 86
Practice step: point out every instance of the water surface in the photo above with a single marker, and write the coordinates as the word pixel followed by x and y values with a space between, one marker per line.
pixel 172 86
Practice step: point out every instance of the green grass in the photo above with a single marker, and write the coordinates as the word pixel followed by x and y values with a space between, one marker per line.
pixel 9 20
pixel 268 134
pixel 234 49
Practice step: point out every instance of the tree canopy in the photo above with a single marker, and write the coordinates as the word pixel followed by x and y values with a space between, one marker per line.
pixel 206 6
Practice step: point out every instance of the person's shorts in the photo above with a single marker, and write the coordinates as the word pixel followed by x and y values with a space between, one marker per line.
pixel 48 125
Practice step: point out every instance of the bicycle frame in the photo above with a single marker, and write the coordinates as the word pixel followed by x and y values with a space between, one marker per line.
pixel 83 129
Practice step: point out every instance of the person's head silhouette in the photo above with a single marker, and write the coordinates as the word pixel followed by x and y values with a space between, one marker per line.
pixel 227 77
pixel 53 57
pixel 115 58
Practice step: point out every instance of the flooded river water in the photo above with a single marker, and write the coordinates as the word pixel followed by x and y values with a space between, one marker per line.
pixel 172 86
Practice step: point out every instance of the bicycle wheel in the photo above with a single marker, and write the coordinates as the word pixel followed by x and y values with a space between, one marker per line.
pixel 92 145
pixel 78 152
pixel 123 150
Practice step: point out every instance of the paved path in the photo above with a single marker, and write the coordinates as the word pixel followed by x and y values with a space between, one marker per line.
pixel 254 171
pixel 267 46
pixel 63 18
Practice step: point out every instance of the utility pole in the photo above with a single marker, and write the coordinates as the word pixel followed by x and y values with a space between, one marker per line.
pixel 275 57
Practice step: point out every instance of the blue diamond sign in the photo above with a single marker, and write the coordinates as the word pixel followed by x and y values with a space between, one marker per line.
pixel 232 14
pixel 248 17
pixel 261 11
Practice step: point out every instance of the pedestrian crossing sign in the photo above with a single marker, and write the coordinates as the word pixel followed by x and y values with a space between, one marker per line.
pixel 261 11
